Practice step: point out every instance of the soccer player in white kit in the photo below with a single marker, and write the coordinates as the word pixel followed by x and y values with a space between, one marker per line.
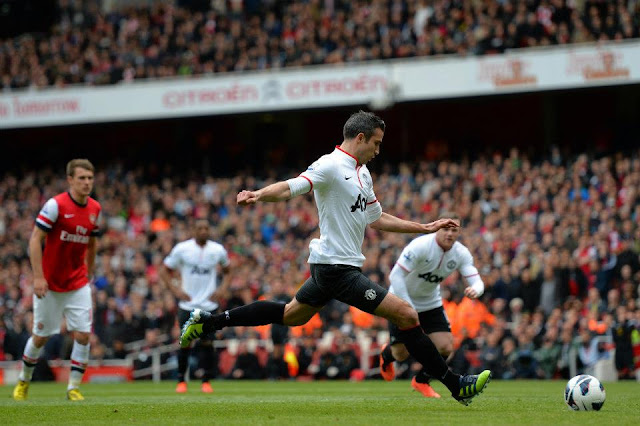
pixel 343 191
pixel 423 264
pixel 198 260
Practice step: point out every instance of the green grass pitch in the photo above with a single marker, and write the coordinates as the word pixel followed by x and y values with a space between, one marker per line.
pixel 298 403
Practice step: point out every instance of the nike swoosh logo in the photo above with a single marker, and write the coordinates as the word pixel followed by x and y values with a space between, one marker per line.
pixel 67 216
pixel 347 178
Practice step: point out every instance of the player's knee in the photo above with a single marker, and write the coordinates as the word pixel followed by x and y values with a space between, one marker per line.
pixel 82 338
pixel 407 317
pixel 294 321
pixel 446 349
pixel 39 341
pixel 293 317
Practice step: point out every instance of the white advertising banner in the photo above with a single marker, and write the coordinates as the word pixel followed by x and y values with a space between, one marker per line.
pixel 320 87
pixel 233 93
pixel 525 70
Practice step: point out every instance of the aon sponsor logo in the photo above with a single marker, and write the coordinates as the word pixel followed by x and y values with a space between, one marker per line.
pixel 200 271
pixel 360 204
pixel 432 278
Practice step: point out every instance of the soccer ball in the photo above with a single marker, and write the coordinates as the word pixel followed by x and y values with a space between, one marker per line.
pixel 584 393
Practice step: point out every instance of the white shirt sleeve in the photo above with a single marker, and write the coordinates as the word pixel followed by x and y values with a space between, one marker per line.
pixel 320 174
pixel 48 215
pixel 174 260
pixel 397 278
pixel 470 273
pixel 224 258
pixel 299 185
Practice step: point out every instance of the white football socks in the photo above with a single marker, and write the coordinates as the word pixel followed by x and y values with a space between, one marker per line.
pixel 29 360
pixel 79 359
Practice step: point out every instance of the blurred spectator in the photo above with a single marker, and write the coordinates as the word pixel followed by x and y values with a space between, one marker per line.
pixel 547 355
pixel 276 367
pixel 247 365
pixel 622 330
pixel 591 350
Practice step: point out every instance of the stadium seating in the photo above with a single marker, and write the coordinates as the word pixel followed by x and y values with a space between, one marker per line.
pixel 125 43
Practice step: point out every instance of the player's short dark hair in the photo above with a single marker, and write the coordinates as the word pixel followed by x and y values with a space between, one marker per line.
pixel 83 163
pixel 449 215
pixel 362 122
pixel 197 221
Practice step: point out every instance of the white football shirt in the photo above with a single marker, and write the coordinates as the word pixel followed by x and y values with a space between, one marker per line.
pixel 425 265
pixel 343 191
pixel 198 269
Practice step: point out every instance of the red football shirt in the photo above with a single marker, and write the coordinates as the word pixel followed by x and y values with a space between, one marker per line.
pixel 69 226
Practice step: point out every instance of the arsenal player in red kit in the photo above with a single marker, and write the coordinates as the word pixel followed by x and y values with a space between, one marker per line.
pixel 68 227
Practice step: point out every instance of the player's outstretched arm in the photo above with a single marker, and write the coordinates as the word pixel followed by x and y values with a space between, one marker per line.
pixel 390 223
pixel 278 191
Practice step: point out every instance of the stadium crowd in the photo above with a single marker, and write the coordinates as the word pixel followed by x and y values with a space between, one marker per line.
pixel 556 240
pixel 89 45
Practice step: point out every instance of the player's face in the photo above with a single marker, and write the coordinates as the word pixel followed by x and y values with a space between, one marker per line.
pixel 447 236
pixel 81 183
pixel 202 231
pixel 370 148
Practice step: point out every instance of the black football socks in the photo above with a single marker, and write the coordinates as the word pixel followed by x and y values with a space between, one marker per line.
pixel 256 313
pixel 183 360
pixel 387 355
pixel 425 352
pixel 423 377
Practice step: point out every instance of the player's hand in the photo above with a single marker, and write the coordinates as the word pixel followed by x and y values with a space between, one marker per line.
pixel 471 293
pixel 244 197
pixel 441 223
pixel 181 295
pixel 40 287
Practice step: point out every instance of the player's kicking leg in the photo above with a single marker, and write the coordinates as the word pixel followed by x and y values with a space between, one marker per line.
pixel 435 323
pixel 418 344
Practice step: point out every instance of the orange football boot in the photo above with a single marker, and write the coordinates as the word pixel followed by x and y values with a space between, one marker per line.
pixel 182 387
pixel 388 371
pixel 424 388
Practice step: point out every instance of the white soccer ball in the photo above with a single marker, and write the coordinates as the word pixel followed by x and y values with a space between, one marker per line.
pixel 584 393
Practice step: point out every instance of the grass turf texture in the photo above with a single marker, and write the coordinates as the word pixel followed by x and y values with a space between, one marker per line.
pixel 297 403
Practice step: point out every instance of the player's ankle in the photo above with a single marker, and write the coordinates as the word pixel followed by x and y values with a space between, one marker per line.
pixel 423 377
pixel 452 381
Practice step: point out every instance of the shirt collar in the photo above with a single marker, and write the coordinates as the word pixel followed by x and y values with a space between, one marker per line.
pixel 350 157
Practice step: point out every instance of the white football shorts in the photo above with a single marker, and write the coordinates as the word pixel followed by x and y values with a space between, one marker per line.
pixel 76 306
